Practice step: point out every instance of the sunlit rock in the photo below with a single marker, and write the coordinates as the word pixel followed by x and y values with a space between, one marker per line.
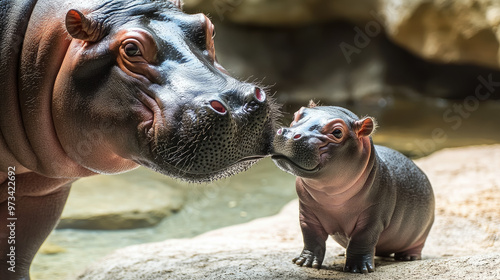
pixel 120 202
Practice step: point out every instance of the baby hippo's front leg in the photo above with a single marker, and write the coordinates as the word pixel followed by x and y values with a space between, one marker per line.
pixel 310 258
pixel 314 244
pixel 360 251
pixel 359 263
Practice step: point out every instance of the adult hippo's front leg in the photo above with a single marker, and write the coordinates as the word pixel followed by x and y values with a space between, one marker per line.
pixel 28 218
pixel 101 87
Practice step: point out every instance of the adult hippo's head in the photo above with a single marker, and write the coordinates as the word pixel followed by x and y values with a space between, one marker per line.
pixel 140 84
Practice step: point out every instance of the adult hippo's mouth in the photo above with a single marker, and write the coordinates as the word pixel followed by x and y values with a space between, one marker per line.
pixel 231 169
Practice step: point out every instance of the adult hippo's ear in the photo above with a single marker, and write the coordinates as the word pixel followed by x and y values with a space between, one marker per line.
pixel 364 127
pixel 82 27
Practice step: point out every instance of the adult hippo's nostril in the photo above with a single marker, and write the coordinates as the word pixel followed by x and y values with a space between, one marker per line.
pixel 218 107
pixel 259 94
pixel 254 99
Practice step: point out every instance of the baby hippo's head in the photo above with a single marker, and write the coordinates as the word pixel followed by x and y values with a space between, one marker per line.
pixel 324 142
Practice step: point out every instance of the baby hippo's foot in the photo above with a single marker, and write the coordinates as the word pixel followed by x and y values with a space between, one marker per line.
pixel 310 259
pixel 405 256
pixel 359 263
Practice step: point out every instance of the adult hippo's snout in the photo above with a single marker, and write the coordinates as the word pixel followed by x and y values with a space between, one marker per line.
pixel 217 134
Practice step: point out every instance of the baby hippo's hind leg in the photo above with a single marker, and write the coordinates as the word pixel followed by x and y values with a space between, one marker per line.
pixel 415 252
pixel 412 254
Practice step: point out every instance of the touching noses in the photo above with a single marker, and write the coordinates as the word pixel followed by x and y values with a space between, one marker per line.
pixel 286 132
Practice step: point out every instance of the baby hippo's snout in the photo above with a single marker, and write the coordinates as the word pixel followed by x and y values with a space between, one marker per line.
pixel 298 148
pixel 306 136
pixel 313 138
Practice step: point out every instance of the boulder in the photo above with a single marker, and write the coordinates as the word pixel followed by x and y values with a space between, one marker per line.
pixel 463 244
pixel 122 201
pixel 282 12
pixel 464 31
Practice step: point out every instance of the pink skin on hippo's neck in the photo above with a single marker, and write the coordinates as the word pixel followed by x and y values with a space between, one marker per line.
pixel 334 190
pixel 339 202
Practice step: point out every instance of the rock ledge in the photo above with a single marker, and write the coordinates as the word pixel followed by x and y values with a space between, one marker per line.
pixel 463 244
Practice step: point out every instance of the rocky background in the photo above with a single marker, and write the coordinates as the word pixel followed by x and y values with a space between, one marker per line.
pixel 358 50
pixel 463 31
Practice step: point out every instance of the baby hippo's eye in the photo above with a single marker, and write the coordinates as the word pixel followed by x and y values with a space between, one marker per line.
pixel 337 133
pixel 132 49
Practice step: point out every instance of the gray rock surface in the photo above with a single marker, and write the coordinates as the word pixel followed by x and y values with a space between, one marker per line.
pixel 282 12
pixel 122 201
pixel 464 242
pixel 463 31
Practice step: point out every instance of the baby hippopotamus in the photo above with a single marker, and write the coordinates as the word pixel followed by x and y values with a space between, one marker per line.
pixel 371 199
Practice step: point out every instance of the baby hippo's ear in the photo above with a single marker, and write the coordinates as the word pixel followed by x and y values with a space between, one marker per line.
pixel 364 127
pixel 312 104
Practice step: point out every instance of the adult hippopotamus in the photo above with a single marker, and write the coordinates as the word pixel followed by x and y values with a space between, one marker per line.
pixel 91 87
pixel 371 199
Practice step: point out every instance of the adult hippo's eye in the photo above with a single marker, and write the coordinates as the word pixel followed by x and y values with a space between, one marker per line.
pixel 337 133
pixel 132 49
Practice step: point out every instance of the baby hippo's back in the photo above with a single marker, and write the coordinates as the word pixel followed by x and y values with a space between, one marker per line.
pixel 414 203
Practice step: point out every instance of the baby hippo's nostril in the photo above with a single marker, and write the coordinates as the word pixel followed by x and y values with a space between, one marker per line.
pixel 218 107
pixel 260 95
